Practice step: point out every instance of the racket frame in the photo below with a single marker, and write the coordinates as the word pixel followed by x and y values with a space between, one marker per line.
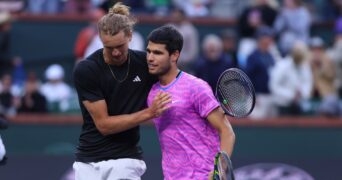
pixel 244 82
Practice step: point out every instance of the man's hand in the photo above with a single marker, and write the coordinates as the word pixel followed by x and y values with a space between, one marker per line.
pixel 160 103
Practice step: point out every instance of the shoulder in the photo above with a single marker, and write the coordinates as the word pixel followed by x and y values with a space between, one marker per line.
pixel 84 66
pixel 154 88
pixel 87 67
pixel 198 91
pixel 138 57
pixel 136 54
pixel 194 82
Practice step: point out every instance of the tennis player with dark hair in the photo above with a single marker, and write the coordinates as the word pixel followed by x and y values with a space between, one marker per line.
pixel 194 128
pixel 112 86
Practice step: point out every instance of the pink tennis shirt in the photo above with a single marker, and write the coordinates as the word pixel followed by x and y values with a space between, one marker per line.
pixel 188 142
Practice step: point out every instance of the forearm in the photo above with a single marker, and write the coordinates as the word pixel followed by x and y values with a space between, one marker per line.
pixel 227 140
pixel 227 137
pixel 119 123
pixel 108 124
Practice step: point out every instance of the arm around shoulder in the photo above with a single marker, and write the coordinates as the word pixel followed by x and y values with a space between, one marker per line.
pixel 114 124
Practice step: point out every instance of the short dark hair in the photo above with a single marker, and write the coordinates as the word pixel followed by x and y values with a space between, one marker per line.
pixel 169 36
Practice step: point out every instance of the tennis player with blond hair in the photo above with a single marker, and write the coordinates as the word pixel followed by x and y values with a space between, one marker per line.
pixel 112 86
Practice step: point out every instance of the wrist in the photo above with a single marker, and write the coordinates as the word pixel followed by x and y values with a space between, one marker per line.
pixel 148 114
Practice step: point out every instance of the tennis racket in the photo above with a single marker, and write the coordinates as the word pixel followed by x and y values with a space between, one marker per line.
pixel 236 95
pixel 235 92
pixel 223 169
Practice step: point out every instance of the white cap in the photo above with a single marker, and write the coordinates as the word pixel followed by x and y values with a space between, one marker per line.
pixel 54 72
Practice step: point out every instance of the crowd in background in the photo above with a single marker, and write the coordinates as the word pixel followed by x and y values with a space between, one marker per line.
pixel 321 10
pixel 293 71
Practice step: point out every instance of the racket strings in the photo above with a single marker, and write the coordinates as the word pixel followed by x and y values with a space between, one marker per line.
pixel 236 94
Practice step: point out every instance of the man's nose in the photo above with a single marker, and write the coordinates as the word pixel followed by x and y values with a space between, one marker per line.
pixel 149 56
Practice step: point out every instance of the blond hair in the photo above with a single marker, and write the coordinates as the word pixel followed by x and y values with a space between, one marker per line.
pixel 118 19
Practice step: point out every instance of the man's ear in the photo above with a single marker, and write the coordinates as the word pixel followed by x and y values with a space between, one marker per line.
pixel 174 56
pixel 129 35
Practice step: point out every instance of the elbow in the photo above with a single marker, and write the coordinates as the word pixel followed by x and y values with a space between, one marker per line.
pixel 231 136
pixel 103 128
pixel 106 127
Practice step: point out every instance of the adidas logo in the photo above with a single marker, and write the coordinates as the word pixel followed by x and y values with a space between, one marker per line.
pixel 137 79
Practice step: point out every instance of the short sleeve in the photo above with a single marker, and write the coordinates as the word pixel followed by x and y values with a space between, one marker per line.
pixel 86 81
pixel 203 98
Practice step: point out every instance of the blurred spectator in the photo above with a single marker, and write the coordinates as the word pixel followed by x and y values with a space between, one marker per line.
pixel 97 3
pixel 158 7
pixel 18 75
pixel 229 38
pixel 13 6
pixel 32 100
pixel 213 61
pixel 56 91
pixel 194 8
pixel 137 42
pixel 330 10
pixel 3 123
pixel 77 6
pixel 87 34
pixel 335 53
pixel 224 9
pixel 292 24
pixel 106 4
pixel 291 81
pixel 259 13
pixel 190 40
pixel 324 76
pixel 137 6
pixel 258 66
pixel 5 56
pixel 7 99
pixel 44 6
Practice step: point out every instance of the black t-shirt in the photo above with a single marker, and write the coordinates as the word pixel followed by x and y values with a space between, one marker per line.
pixel 94 81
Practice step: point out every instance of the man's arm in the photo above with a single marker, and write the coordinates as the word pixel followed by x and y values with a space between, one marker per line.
pixel 114 124
pixel 218 120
